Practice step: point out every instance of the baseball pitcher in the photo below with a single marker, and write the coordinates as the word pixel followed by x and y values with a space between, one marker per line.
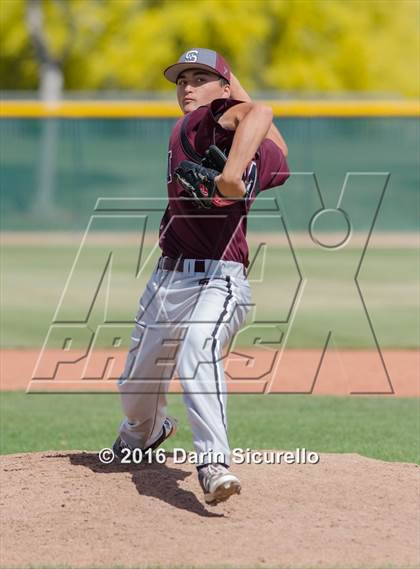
pixel 222 153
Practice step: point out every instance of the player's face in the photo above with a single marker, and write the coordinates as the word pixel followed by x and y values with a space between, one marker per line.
pixel 196 87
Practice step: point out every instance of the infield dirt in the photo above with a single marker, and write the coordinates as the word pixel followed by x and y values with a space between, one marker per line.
pixel 70 509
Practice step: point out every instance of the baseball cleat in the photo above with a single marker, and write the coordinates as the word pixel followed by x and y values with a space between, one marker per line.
pixel 119 446
pixel 169 428
pixel 218 483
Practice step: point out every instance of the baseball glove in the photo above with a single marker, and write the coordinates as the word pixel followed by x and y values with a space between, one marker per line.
pixel 214 158
pixel 198 179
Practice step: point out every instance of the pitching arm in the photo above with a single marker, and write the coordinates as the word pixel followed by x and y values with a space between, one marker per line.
pixel 239 93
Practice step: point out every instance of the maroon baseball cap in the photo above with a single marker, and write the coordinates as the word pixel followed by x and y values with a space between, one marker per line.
pixel 200 58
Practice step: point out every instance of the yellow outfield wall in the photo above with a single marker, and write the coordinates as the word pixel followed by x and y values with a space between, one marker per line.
pixel 162 109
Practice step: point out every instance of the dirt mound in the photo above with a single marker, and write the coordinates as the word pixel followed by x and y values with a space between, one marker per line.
pixel 69 509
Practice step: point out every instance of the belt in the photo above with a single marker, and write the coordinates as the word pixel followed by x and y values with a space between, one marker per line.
pixel 168 264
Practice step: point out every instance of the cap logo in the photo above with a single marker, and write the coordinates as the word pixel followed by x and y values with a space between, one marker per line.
pixel 191 55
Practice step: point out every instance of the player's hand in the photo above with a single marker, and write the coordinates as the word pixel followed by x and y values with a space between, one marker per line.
pixel 237 91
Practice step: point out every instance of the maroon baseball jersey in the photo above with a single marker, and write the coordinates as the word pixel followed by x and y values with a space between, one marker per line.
pixel 220 232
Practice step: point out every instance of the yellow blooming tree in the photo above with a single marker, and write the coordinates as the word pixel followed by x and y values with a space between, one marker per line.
pixel 300 46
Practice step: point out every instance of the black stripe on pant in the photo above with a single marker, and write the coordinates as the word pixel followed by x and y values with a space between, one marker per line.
pixel 214 345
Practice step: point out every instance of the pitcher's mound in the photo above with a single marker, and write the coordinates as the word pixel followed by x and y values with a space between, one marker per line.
pixel 69 509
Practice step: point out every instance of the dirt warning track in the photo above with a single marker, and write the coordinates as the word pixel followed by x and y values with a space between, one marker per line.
pixel 393 372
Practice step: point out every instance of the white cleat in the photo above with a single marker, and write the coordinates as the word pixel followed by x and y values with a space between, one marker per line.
pixel 218 483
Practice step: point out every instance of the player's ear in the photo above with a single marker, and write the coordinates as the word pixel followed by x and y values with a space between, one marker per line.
pixel 226 91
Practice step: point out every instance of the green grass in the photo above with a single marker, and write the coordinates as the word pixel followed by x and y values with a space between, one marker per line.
pixel 378 427
pixel 33 278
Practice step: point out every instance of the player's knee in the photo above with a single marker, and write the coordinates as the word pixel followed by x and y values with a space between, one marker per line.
pixel 196 341
pixel 198 352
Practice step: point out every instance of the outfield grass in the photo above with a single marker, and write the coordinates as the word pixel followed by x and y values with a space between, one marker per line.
pixel 378 427
pixel 33 279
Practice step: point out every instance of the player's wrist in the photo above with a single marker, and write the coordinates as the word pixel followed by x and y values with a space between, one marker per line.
pixel 230 186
